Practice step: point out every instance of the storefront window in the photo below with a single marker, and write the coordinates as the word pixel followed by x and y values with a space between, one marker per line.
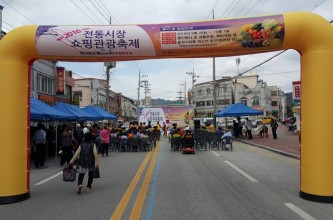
pixel 44 85
pixel 243 101
pixel 256 101
pixel 200 104
pixel 274 103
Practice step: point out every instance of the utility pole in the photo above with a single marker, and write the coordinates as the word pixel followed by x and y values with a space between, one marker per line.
pixel 180 95
pixel 146 90
pixel 193 75
pixel 107 88
pixel 214 90
pixel 108 66
pixel 138 108
pixel 140 85
pixel 184 84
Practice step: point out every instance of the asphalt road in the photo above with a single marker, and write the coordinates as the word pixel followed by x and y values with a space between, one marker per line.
pixel 246 183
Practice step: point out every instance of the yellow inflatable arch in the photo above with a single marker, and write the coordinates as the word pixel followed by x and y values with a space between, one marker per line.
pixel 20 47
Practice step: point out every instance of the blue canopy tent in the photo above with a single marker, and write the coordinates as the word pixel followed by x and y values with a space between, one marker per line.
pixel 80 115
pixel 238 109
pixel 42 111
pixel 95 110
pixel 36 114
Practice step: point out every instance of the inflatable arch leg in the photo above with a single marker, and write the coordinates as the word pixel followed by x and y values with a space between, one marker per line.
pixel 316 49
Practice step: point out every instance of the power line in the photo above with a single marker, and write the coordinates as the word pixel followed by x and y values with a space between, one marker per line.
pixel 317 4
pixel 212 9
pixel 83 11
pixel 7 24
pixel 93 4
pixel 227 8
pixel 262 63
pixel 18 12
pixel 252 7
pixel 248 2
pixel 232 8
pixel 91 11
pixel 102 8
pixel 14 17
pixel 109 12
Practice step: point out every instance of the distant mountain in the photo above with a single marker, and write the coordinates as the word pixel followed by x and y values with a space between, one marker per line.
pixel 163 102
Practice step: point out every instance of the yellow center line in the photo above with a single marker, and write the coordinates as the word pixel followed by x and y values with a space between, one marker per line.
pixel 136 211
pixel 128 194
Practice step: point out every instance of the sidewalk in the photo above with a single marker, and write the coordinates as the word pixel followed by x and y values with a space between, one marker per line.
pixel 287 142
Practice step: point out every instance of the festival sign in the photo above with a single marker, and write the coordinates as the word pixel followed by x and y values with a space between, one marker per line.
pixel 182 116
pixel 123 42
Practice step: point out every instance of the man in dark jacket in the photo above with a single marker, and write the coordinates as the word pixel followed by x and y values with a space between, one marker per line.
pixel 78 134
pixel 249 128
pixel 274 126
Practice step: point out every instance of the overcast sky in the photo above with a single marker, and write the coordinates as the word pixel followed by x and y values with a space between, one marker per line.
pixel 166 75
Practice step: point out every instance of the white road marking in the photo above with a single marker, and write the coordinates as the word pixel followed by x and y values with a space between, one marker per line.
pixel 299 211
pixel 216 154
pixel 242 172
pixel 51 177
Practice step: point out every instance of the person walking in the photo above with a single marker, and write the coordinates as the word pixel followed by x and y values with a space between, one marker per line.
pixel 67 147
pixel 40 149
pixel 249 128
pixel 240 127
pixel 51 141
pixel 105 140
pixel 236 129
pixel 87 161
pixel 78 134
pixel 165 132
pixel 274 126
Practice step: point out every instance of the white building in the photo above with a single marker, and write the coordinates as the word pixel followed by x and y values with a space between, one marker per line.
pixel 247 89
pixel 203 97
pixel 279 103
pixel 251 91
pixel 129 110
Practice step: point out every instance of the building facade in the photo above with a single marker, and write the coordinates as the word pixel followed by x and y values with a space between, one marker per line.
pixel 43 81
pixel 248 90
pixel 251 91
pixel 92 91
pixel 129 109
pixel 279 102
pixel 203 97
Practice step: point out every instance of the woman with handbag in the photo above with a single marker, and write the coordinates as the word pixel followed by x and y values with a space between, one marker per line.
pixel 87 161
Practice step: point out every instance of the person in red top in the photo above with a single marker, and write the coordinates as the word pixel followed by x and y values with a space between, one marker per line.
pixel 164 130
pixel 105 139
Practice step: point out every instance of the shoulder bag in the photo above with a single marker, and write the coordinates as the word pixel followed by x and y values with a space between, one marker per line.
pixel 69 174
pixel 96 173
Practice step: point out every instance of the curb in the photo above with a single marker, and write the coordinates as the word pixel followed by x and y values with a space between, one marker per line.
pixel 271 149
